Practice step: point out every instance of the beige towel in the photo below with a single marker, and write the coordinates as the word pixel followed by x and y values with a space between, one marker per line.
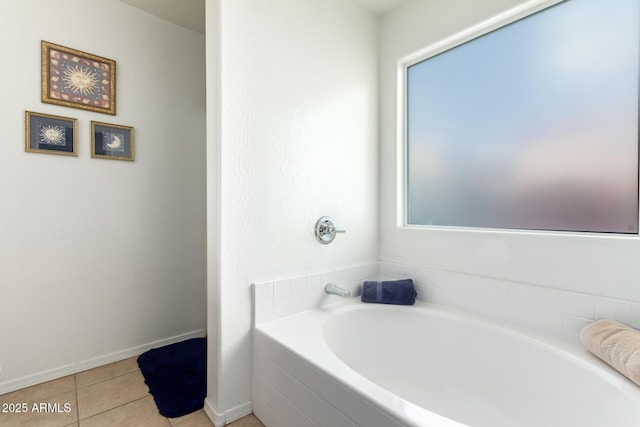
pixel 615 343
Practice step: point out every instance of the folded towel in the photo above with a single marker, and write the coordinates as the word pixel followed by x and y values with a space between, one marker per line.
pixel 615 343
pixel 400 292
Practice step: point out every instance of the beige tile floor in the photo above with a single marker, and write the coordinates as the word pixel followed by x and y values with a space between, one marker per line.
pixel 111 395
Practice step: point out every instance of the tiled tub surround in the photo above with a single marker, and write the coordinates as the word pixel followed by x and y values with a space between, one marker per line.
pixel 373 365
pixel 290 391
pixel 281 297
pixel 541 308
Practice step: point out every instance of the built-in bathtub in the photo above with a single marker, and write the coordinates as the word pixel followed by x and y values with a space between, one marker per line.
pixel 354 364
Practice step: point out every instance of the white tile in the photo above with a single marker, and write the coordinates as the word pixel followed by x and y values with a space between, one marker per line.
pixel 419 275
pixel 286 411
pixel 423 293
pixel 280 356
pixel 361 412
pixel 441 296
pixel 331 299
pixel 308 402
pixel 520 294
pixel 354 287
pixel 548 310
pixel 439 278
pixel 477 297
pixel 314 282
pixel 573 326
pixel 266 415
pixel 264 368
pixel 263 344
pixel 281 289
pixel 263 292
pixel 522 315
pixel 520 299
pixel 470 295
pixel 298 303
pixel 264 313
pixel 548 298
pixel 281 308
pixel 579 305
pixel 497 299
pixel 298 285
pixel 316 299
pixel 609 308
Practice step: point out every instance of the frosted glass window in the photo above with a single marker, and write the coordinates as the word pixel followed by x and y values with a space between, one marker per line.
pixel 532 126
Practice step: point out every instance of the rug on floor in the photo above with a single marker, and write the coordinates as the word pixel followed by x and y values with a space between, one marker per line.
pixel 177 376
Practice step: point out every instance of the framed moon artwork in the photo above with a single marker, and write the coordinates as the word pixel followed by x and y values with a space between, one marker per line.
pixel 111 141
pixel 76 79
pixel 45 133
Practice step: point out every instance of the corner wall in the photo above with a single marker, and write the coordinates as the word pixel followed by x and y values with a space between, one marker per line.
pixel 100 259
pixel 297 139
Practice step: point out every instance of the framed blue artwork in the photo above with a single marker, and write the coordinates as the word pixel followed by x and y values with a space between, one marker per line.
pixel 49 134
pixel 110 141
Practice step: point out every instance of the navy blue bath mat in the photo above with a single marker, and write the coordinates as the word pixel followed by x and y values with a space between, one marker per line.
pixel 177 376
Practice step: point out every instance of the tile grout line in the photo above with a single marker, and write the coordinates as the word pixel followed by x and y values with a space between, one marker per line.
pixel 75 389
pixel 122 374
pixel 111 409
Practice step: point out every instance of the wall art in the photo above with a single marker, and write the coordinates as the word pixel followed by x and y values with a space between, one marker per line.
pixel 110 141
pixel 45 133
pixel 78 79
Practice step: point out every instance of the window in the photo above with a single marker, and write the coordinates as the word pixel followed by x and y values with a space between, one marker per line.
pixel 532 126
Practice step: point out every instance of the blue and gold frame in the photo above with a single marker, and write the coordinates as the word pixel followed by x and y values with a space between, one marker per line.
pixel 49 134
pixel 76 79
pixel 110 141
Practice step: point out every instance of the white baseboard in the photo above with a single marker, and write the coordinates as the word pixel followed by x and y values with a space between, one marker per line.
pixel 238 412
pixel 83 365
pixel 228 417
pixel 216 418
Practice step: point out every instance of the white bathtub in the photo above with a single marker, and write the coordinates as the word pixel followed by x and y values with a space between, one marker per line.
pixel 369 365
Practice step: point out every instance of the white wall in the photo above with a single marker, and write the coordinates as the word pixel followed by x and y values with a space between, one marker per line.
pixel 297 140
pixel 601 265
pixel 98 258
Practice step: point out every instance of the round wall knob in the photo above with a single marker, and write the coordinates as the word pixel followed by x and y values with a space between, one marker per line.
pixel 326 230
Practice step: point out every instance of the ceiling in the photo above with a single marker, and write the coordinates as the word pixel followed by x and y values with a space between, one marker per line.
pixel 185 13
pixel 380 6
pixel 190 13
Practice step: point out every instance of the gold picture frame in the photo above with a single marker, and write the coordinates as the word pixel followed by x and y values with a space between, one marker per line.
pixel 49 134
pixel 77 79
pixel 109 141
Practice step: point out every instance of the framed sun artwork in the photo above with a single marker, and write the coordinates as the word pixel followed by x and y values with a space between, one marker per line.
pixel 113 142
pixel 78 79
pixel 45 133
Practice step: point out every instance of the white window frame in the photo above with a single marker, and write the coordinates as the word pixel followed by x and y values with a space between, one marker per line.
pixel 498 21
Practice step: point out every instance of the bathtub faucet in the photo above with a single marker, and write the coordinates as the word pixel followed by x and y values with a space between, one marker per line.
pixel 333 289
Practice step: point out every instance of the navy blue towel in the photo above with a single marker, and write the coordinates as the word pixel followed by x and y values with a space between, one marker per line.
pixel 400 292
